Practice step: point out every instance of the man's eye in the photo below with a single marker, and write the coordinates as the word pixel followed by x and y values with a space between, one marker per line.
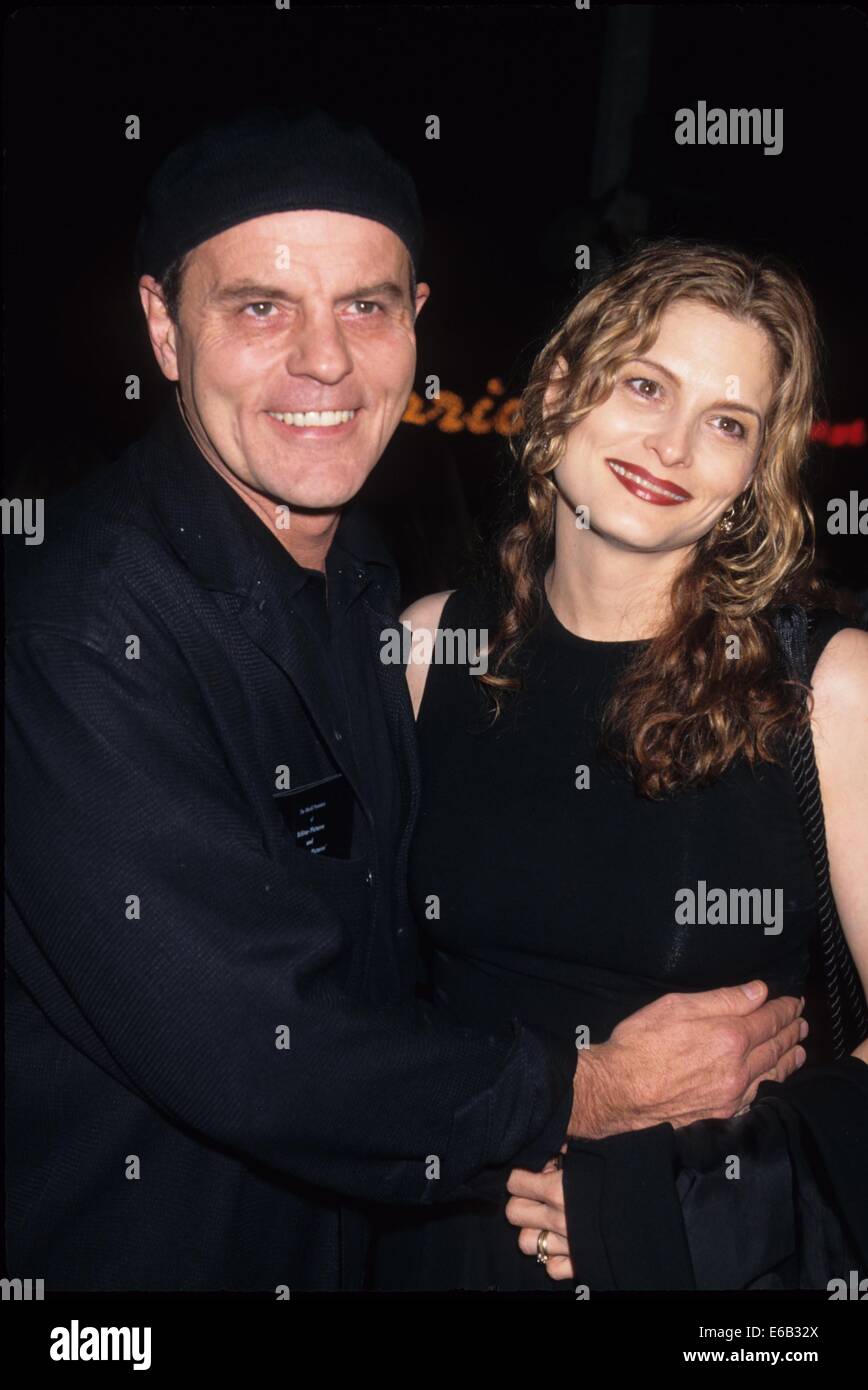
pixel 260 304
pixel 368 304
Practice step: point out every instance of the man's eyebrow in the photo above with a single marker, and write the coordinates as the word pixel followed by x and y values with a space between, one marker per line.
pixel 387 289
pixel 715 405
pixel 250 292
pixel 245 289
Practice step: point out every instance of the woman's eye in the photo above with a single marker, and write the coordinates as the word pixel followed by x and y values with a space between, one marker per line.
pixel 644 381
pixel 742 432
pixel 735 429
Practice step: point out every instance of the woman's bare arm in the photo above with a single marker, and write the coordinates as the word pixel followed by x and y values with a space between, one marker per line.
pixel 840 724
pixel 423 616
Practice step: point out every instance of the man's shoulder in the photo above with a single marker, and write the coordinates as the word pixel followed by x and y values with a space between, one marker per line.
pixel 96 537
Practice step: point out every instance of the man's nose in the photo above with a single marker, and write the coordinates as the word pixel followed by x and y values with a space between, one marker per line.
pixel 319 348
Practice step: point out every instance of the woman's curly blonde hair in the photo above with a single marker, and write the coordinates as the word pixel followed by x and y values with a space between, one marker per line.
pixel 682 711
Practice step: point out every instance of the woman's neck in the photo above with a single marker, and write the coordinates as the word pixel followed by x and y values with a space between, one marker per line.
pixel 607 592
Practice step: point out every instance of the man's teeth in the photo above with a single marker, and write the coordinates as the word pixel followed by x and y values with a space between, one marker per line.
pixel 643 482
pixel 313 417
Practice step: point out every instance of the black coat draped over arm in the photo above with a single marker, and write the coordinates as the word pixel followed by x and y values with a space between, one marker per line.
pixel 669 1209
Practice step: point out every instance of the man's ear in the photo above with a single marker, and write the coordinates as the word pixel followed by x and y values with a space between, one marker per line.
pixel 422 293
pixel 553 390
pixel 161 329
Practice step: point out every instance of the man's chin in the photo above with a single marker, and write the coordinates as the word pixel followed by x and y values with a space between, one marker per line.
pixel 317 500
pixel 323 509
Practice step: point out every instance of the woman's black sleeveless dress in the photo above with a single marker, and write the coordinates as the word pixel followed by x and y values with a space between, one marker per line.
pixel 544 887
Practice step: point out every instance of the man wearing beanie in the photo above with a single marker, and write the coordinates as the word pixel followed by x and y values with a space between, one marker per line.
pixel 215 1055
pixel 216 1059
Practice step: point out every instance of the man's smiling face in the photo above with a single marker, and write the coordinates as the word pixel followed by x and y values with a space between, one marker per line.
pixel 292 313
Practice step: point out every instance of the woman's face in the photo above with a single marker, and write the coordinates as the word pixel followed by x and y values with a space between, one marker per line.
pixel 678 439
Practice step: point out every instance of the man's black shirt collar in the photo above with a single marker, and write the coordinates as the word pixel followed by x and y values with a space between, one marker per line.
pixel 223 541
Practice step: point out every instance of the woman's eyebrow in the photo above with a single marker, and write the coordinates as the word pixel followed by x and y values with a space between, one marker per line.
pixel 715 405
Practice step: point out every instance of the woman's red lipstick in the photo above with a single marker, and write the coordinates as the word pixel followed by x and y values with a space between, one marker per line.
pixel 645 486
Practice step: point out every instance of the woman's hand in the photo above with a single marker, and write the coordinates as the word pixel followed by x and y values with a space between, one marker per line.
pixel 537 1204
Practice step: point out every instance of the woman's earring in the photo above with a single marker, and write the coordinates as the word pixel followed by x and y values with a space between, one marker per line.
pixel 725 523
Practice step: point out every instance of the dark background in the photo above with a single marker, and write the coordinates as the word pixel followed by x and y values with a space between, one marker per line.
pixel 557 128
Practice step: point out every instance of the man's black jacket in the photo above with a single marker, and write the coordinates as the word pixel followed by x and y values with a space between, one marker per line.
pixel 215 1054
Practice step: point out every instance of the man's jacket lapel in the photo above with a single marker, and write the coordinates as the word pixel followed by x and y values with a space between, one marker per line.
pixel 272 623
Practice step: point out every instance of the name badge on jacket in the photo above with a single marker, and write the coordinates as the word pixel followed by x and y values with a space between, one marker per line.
pixel 319 816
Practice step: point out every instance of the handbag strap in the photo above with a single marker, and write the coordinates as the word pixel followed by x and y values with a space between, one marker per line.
pixel 845 996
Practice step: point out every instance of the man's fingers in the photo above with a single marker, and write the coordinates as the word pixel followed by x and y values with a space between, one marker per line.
pixel 790 1062
pixel 714 1003
pixel 767 1022
pixel 766 1057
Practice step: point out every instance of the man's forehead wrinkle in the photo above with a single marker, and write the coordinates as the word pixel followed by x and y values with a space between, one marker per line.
pixel 257 251
pixel 255 266
pixel 297 281
pixel 273 289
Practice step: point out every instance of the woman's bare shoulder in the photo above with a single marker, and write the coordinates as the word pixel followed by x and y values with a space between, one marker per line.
pixel 422 616
pixel 425 612
pixel 840 678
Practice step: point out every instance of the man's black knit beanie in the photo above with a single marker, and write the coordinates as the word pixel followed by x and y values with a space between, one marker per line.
pixel 268 161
